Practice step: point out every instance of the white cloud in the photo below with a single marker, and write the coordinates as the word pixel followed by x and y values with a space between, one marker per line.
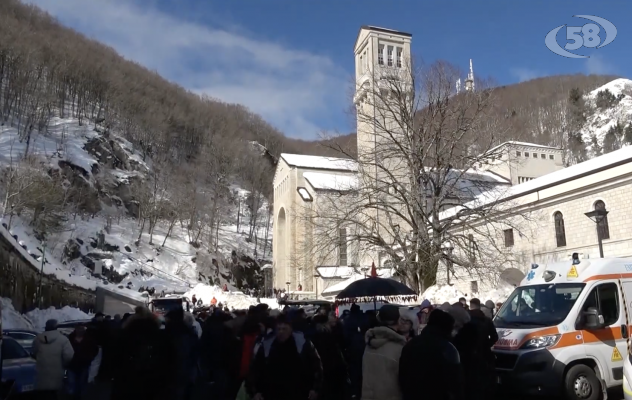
pixel 596 64
pixel 292 89
pixel 524 74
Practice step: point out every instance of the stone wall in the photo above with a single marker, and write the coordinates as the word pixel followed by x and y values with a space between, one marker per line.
pixel 19 280
pixel 537 243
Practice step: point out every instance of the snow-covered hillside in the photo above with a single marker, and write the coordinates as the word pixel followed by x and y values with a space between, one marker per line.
pixel 104 233
pixel 604 118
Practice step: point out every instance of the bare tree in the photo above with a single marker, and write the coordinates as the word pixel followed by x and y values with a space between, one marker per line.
pixel 422 150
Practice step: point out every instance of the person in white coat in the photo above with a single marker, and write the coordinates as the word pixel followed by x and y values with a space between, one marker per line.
pixel 53 352
pixel 191 322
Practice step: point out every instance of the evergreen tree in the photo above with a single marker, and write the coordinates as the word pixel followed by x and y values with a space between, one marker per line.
pixel 627 135
pixel 594 144
pixel 613 138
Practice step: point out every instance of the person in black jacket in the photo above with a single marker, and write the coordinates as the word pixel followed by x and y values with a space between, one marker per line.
pixel 219 353
pixel 335 376
pixel 487 338
pixel 354 329
pixel 185 341
pixel 430 357
pixel 286 367
pixel 144 364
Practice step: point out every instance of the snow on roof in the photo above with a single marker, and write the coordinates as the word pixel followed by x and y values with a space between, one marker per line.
pixel 318 162
pixel 335 272
pixel 325 181
pixel 609 160
pixel 514 143
pixel 468 184
pixel 475 175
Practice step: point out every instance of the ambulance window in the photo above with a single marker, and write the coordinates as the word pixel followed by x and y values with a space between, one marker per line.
pixel 605 299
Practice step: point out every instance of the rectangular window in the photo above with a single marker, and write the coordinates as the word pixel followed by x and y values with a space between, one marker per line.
pixel 543 156
pixel 551 157
pixel 605 299
pixel 471 248
pixel 399 57
pixel 509 237
pixel 380 54
pixel 342 247
pixel 526 154
pixel 474 286
pixel 390 56
pixel 535 155
pixel 518 154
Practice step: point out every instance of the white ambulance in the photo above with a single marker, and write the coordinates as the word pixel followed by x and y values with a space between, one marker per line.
pixel 565 329
pixel 627 378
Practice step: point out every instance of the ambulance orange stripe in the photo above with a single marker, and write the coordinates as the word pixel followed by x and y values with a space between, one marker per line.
pixel 570 338
pixel 606 335
pixel 608 276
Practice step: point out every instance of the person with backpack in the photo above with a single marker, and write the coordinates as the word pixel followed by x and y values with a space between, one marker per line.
pixel 286 367
pixel 145 361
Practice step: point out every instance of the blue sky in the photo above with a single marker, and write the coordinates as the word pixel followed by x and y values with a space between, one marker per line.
pixel 292 60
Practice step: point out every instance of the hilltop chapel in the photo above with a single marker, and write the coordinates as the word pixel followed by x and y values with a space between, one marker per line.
pixel 534 175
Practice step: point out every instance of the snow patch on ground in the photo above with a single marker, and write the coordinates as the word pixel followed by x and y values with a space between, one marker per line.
pixel 231 299
pixel 63 140
pixel 439 294
pixel 39 317
pixel 36 320
pixel 12 319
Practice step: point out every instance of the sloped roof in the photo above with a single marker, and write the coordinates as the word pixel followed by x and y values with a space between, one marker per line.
pixel 335 272
pixel 324 181
pixel 318 162
pixel 607 161
pixel 514 143
pixel 470 183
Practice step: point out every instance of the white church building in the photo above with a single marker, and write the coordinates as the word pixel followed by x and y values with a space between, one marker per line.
pixel 530 175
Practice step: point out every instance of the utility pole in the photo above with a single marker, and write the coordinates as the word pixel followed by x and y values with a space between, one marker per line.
pixel 39 289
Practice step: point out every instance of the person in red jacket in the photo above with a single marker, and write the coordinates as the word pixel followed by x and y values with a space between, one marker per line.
pixel 213 301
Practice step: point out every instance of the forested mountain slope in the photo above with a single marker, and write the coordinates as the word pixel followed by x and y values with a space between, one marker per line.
pixel 106 161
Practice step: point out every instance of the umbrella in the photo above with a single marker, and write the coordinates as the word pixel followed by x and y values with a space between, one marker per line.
pixel 375 287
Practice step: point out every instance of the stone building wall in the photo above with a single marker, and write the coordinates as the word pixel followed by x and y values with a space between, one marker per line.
pixel 536 241
pixel 19 280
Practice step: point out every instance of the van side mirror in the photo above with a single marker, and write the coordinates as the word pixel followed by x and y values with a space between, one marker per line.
pixel 592 319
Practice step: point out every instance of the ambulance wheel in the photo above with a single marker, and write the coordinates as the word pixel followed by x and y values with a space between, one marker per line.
pixel 581 383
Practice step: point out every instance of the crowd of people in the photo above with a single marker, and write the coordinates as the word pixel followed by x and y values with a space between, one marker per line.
pixel 263 354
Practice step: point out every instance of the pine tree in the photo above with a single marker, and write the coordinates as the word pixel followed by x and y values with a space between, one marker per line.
pixel 627 135
pixel 613 139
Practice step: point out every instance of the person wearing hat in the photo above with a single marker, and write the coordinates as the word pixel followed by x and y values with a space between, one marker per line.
pixel 380 364
pixel 424 312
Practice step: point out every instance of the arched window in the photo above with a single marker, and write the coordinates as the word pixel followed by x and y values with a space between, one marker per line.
pixel 602 224
pixel 560 233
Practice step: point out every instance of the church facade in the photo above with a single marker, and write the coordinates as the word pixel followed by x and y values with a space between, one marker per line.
pixel 303 184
